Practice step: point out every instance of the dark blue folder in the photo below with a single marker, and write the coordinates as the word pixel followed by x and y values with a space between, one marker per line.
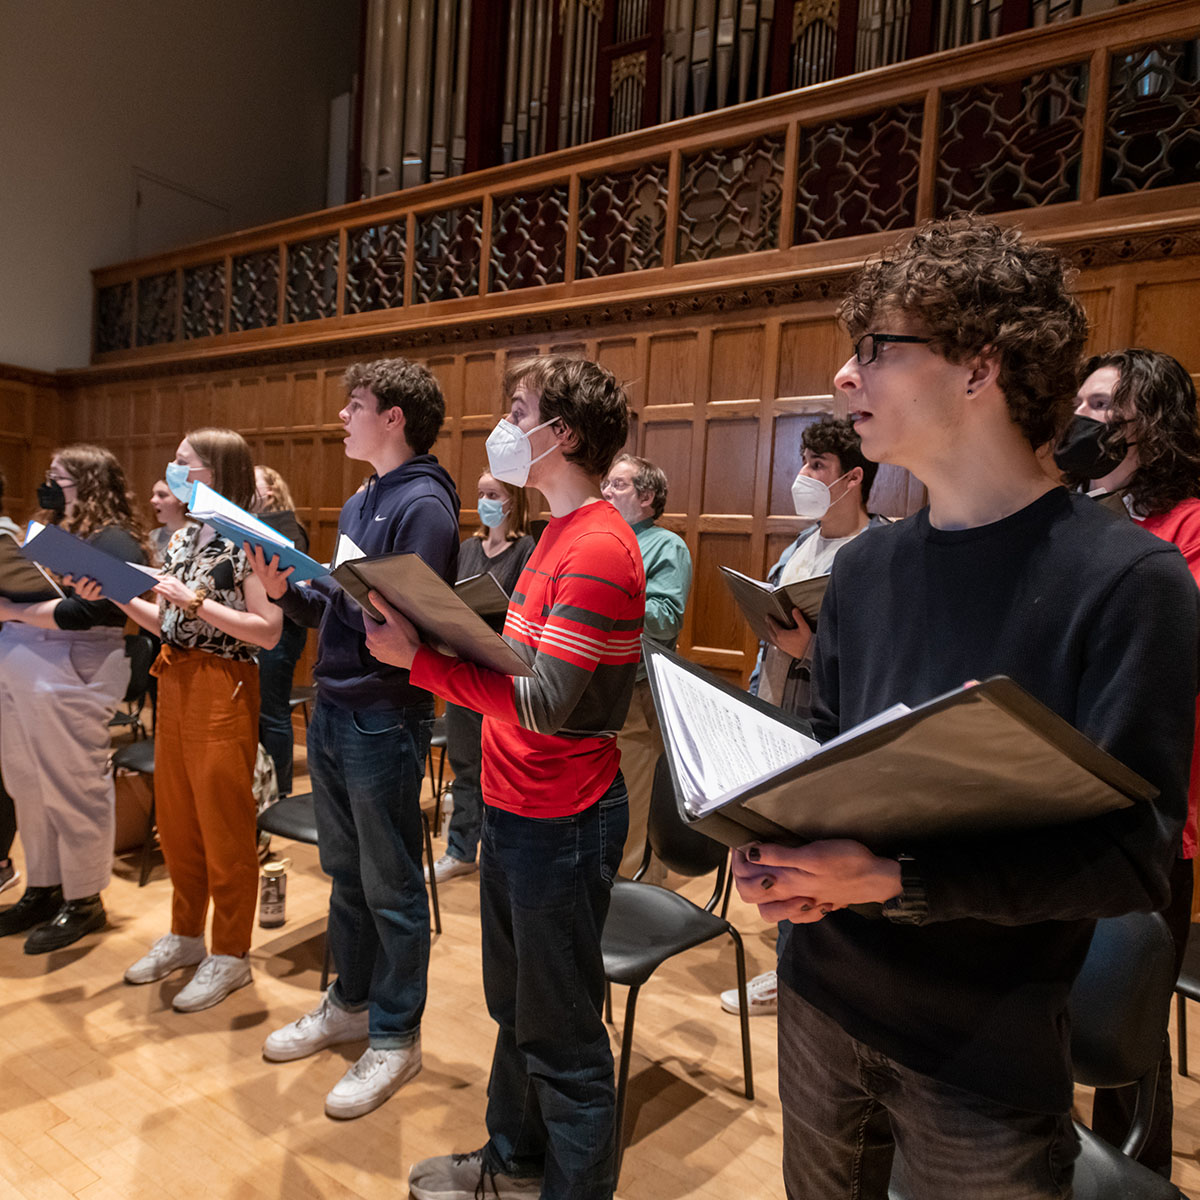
pixel 66 554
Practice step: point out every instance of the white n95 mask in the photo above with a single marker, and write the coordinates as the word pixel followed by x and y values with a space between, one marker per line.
pixel 811 498
pixel 509 453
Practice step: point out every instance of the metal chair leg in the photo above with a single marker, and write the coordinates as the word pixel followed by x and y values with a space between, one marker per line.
pixel 623 1078
pixel 433 893
pixel 744 1011
pixel 326 961
pixel 1181 1029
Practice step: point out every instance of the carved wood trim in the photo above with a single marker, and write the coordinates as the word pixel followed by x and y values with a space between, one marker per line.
pixel 1088 250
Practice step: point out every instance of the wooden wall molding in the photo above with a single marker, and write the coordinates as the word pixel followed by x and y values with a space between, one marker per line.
pixel 1170 239
pixel 28 376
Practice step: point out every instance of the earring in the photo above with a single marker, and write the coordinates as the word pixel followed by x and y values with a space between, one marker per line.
pixel 968 391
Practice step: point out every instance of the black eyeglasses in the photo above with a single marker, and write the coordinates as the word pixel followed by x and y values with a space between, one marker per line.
pixel 866 349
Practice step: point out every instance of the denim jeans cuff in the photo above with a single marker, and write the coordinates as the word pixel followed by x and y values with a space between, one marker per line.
pixel 516 1169
pixel 332 995
pixel 393 1041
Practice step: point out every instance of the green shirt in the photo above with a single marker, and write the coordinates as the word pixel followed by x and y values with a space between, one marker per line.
pixel 668 567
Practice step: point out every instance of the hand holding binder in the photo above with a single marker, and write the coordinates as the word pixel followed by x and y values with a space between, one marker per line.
pixel 444 619
pixel 240 527
pixel 980 758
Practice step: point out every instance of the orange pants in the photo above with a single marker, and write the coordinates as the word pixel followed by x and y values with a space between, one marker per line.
pixel 205 742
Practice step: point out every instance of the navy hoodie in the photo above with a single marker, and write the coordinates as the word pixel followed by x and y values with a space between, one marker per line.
pixel 411 510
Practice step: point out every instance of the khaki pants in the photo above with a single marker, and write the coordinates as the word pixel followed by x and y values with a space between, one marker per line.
pixel 58 690
pixel 205 742
pixel 640 742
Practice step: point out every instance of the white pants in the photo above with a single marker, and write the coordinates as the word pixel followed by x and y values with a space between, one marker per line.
pixel 58 690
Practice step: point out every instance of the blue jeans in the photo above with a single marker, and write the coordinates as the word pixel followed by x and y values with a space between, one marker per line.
pixel 847 1108
pixel 544 887
pixel 464 728
pixel 276 669
pixel 366 770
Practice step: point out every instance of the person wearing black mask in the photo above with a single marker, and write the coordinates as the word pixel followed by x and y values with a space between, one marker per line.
pixel 1136 434
pixel 63 671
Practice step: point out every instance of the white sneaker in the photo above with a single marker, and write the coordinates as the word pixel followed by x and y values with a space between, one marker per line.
pixel 215 978
pixel 326 1025
pixel 168 954
pixel 372 1080
pixel 447 867
pixel 464 1177
pixel 762 995
pixel 9 876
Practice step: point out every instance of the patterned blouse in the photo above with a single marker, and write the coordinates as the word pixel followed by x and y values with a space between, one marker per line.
pixel 221 568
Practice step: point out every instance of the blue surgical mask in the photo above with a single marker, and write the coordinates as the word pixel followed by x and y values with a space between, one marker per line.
pixel 177 480
pixel 491 512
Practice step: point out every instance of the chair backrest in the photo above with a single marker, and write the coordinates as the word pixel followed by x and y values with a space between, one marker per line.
pixel 1120 999
pixel 679 848
pixel 140 649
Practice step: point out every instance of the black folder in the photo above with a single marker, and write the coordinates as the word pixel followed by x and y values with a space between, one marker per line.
pixel 757 599
pixel 985 757
pixel 444 619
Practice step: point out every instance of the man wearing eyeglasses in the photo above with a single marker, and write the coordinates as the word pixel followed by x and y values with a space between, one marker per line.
pixel 935 1020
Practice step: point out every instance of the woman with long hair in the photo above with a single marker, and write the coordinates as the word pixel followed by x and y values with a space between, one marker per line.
pixel 277 666
pixel 212 615
pixel 63 672
pixel 1136 435
pixel 501 545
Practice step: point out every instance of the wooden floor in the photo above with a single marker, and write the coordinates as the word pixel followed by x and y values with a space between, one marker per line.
pixel 107 1094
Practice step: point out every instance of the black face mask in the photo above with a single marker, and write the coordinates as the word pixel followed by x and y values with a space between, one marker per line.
pixel 52 497
pixel 1085 451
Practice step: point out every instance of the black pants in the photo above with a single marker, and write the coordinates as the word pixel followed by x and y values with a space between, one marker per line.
pixel 1112 1110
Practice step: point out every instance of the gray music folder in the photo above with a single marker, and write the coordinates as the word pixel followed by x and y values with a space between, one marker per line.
pixel 445 620
pixel 22 580
pixel 982 758
pixel 756 599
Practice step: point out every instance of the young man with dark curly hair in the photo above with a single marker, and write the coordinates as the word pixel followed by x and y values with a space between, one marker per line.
pixel 1142 404
pixel 555 811
pixel 937 1023
pixel 367 743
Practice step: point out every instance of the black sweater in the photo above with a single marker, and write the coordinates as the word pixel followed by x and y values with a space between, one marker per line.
pixel 1097 619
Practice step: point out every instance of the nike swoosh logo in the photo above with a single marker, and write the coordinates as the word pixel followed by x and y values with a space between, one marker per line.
pixel 381 518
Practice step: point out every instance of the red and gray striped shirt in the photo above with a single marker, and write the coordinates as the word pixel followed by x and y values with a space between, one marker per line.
pixel 549 739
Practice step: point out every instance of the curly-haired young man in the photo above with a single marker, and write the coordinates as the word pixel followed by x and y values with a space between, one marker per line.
pixel 938 1025
pixel 555 804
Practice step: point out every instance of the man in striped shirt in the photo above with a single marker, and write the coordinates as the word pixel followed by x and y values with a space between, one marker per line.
pixel 555 804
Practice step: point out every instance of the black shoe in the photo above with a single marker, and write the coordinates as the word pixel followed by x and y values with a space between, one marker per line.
pixel 38 905
pixel 74 919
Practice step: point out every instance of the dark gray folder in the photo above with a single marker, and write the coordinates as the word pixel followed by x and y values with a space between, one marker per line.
pixel 21 580
pixel 444 619
pixel 757 599
pixel 983 758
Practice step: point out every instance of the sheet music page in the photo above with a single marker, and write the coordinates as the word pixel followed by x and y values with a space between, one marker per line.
pixel 881 718
pixel 721 745
pixel 346 551
pixel 209 503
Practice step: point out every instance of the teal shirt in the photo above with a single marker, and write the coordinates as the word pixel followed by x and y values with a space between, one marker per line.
pixel 668 567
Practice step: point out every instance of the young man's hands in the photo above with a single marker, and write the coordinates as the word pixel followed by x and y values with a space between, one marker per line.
pixel 396 640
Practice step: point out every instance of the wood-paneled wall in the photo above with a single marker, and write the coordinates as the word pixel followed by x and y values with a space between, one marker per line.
pixel 720 400
pixel 31 425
